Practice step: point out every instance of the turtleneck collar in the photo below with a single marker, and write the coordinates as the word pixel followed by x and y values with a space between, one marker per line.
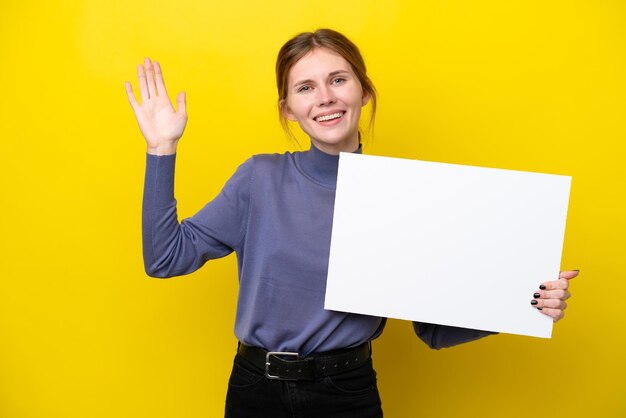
pixel 321 167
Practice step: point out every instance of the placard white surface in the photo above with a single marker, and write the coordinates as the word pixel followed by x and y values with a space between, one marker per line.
pixel 444 243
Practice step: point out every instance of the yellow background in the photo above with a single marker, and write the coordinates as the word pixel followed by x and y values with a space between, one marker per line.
pixel 530 85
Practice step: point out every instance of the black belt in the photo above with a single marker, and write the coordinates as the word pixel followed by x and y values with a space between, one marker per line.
pixel 295 367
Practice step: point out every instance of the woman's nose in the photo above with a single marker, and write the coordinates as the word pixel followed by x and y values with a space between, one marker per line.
pixel 326 96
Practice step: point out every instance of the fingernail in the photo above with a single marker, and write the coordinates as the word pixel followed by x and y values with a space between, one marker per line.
pixel 533 302
pixel 542 287
pixel 541 309
pixel 536 295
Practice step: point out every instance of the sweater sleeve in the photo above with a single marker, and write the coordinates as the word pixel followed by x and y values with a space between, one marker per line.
pixel 442 336
pixel 171 248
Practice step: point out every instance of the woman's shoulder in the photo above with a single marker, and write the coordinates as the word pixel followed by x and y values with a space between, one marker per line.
pixel 272 161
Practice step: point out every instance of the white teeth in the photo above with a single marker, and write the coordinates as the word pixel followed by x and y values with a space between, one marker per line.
pixel 329 117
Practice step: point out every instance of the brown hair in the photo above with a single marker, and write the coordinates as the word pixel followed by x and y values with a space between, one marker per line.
pixel 300 45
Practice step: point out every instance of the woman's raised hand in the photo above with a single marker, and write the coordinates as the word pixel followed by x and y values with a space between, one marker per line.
pixel 161 125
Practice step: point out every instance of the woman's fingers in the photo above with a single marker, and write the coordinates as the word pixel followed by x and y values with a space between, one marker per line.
pixel 562 284
pixel 151 83
pixel 549 303
pixel 150 78
pixel 160 83
pixel 569 274
pixel 555 314
pixel 131 96
pixel 143 84
pixel 553 294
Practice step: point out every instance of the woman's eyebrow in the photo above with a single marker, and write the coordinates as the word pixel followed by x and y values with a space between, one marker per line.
pixel 338 72
pixel 331 74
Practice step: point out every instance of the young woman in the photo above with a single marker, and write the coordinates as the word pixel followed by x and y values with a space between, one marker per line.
pixel 294 358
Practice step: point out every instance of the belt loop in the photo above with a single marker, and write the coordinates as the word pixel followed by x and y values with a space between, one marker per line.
pixel 369 344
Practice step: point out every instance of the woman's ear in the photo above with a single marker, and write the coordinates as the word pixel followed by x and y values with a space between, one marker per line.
pixel 284 109
pixel 366 98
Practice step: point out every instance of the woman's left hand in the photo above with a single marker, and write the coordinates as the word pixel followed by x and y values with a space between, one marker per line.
pixel 551 296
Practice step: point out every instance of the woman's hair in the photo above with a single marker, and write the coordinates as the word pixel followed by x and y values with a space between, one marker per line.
pixel 300 45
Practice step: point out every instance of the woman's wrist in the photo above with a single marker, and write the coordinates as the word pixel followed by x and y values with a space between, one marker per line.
pixel 168 149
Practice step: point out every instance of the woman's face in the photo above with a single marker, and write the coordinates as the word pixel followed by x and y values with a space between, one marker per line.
pixel 325 97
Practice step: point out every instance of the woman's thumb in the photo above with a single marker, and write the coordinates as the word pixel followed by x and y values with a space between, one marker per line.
pixel 569 274
pixel 181 102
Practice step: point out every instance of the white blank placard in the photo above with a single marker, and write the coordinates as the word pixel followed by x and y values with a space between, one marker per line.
pixel 444 243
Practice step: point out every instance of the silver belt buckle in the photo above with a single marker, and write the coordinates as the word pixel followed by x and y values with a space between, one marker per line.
pixel 267 361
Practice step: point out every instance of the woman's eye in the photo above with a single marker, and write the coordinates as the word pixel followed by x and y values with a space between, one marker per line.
pixel 304 89
pixel 338 80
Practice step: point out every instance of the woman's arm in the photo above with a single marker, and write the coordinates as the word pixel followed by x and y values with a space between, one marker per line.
pixel 443 336
pixel 171 248
pixel 549 299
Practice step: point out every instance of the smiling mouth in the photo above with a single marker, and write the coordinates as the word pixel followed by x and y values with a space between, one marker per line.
pixel 332 116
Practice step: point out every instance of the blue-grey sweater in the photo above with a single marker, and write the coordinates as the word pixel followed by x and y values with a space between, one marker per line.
pixel 276 214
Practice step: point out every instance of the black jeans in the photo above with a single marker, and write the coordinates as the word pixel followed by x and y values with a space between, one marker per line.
pixel 352 394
